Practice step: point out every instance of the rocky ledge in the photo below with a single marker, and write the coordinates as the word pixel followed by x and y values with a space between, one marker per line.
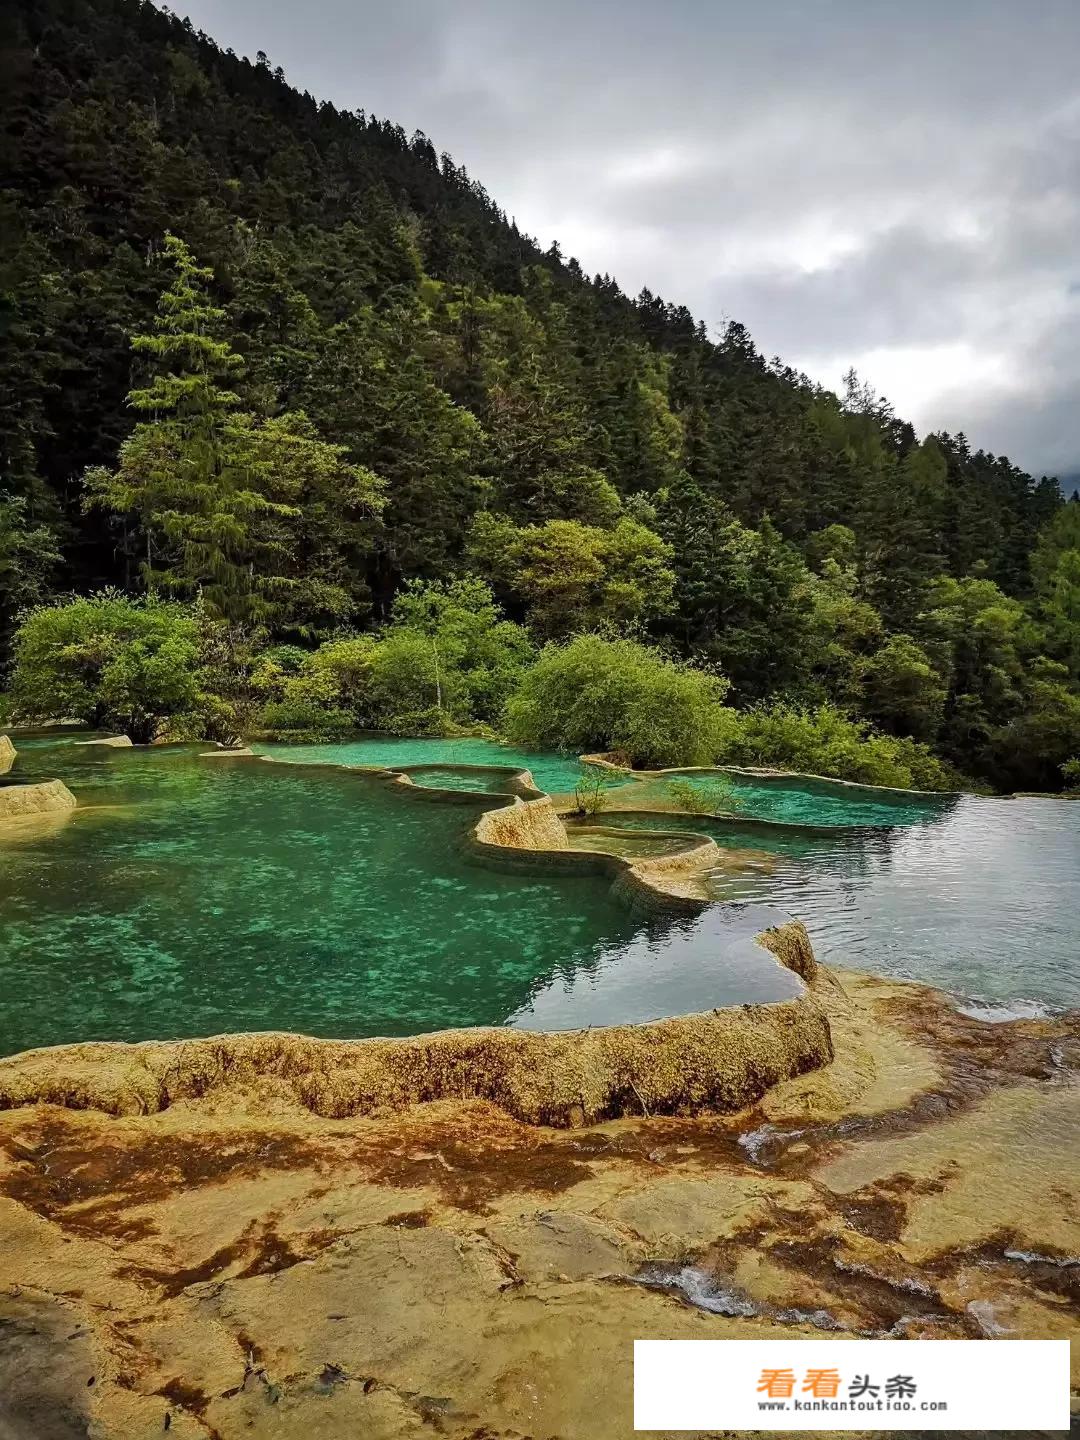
pixel 462 1234
pixel 24 802
pixel 20 802
pixel 719 1061
pixel 236 1264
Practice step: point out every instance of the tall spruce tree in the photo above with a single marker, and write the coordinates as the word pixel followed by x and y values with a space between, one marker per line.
pixel 218 502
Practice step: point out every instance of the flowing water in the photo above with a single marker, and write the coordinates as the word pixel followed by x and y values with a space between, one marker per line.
pixel 190 896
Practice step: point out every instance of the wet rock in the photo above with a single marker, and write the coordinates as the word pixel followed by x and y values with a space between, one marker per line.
pixel 47 1364
pixel 23 802
pixel 251 1268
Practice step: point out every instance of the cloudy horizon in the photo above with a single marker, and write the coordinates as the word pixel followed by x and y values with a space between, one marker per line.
pixel 898 192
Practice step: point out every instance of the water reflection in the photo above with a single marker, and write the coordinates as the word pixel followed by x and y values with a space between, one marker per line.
pixel 191 897
pixel 981 899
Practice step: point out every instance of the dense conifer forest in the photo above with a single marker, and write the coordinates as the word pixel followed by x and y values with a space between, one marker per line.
pixel 301 432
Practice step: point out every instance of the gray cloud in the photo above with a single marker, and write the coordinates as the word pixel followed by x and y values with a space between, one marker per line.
pixel 895 187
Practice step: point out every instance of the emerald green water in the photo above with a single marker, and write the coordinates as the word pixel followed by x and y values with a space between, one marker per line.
pixel 188 896
pixel 476 781
pixel 791 800
pixel 804 800
pixel 557 774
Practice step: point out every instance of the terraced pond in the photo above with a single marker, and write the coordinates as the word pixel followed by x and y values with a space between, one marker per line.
pixel 189 897
pixel 804 801
pixel 976 895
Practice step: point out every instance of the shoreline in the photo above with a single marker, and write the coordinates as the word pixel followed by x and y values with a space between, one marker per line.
pixel 252 1232
pixel 242 1264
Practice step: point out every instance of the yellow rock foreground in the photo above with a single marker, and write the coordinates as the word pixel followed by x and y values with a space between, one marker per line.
pixel 236 1265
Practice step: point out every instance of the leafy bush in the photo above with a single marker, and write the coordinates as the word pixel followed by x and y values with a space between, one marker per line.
pixel 1070 772
pixel 447 659
pixel 1029 752
pixel 712 796
pixel 825 741
pixel 589 793
pixel 116 662
pixel 299 717
pixel 596 694
pixel 475 657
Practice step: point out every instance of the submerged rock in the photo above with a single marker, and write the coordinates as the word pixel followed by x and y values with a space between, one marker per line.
pixel 717 1061
pixel 18 802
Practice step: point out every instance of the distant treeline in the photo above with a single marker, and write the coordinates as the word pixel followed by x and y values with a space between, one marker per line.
pixel 282 363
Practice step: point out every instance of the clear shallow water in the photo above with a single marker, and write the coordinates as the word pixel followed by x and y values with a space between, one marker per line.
pixel 480 782
pixel 802 801
pixel 557 774
pixel 190 897
pixel 806 801
pixel 978 896
pixel 982 900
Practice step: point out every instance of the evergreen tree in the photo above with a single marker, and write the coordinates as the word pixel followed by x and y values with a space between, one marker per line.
pixel 212 497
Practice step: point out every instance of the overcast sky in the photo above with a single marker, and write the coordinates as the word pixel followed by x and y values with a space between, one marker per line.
pixel 890 186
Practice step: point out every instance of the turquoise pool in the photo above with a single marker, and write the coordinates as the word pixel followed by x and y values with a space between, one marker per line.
pixel 557 774
pixel 188 896
pixel 795 801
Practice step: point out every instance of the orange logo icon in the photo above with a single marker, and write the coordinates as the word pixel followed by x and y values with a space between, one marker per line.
pixel 822 1384
pixel 777 1384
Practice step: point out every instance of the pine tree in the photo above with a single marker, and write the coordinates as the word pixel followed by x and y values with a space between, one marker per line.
pixel 216 495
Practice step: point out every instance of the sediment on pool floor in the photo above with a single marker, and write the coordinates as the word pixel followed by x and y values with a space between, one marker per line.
pixel 717 1060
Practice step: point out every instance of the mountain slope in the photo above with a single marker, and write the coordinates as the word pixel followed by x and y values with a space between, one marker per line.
pixel 375 286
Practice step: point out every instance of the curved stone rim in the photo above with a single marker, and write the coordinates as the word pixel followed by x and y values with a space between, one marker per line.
pixel 718 1060
pixel 28 802
pixel 761 772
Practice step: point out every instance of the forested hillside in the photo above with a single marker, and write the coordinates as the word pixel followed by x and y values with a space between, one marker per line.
pixel 295 373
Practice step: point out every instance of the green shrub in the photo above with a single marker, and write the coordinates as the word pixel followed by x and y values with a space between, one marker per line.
pixel 1070 772
pixel 447 661
pixel 115 662
pixel 1030 751
pixel 714 795
pixel 590 792
pixel 475 657
pixel 825 741
pixel 599 695
pixel 299 717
